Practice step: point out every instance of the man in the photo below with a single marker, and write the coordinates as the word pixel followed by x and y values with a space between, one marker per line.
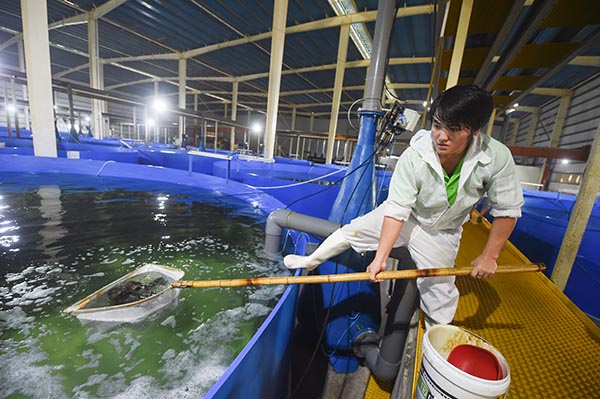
pixel 436 182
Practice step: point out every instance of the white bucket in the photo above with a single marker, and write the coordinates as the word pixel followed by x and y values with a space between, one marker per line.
pixel 440 379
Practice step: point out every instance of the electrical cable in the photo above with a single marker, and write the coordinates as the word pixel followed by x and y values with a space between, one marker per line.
pixel 349 111
pixel 332 295
pixel 333 290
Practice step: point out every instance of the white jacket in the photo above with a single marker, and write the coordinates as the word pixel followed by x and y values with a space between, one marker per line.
pixel 417 186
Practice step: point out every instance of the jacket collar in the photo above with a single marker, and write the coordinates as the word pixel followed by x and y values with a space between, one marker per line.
pixel 422 143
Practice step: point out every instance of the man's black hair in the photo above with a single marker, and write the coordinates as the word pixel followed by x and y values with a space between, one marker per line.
pixel 465 106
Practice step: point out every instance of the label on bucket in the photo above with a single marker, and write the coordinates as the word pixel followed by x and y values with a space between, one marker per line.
pixel 428 389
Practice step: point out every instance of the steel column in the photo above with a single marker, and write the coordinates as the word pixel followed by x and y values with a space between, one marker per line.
pixel 182 100
pixel 277 43
pixel 39 80
pixel 579 217
pixel 94 63
pixel 459 43
pixel 337 90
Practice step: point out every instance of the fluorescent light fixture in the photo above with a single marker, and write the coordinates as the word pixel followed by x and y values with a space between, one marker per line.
pixel 564 161
pixel 358 32
pixel 360 36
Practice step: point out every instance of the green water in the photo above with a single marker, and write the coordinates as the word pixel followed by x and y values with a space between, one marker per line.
pixel 61 238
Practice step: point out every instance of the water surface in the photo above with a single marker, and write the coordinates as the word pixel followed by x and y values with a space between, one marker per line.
pixel 63 237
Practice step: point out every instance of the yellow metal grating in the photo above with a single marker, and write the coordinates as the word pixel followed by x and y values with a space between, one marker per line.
pixel 378 389
pixel 552 348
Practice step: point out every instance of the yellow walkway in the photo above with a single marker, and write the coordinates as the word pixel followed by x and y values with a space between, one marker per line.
pixel 552 348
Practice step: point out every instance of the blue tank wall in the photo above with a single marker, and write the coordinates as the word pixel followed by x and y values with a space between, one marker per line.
pixel 539 234
pixel 260 370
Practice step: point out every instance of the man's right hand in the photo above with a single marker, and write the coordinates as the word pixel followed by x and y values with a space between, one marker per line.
pixel 376 266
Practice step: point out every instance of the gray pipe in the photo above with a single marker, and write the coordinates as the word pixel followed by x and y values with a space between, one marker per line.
pixel 384 357
pixel 381 39
pixel 285 218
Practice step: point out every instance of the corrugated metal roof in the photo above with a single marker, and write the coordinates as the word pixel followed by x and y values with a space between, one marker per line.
pixel 231 40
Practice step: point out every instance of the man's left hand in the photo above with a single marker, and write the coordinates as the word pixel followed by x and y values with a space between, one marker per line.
pixel 483 267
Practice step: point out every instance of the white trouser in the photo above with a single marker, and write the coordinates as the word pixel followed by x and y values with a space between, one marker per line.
pixel 428 248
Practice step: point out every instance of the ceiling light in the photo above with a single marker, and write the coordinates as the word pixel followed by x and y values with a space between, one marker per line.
pixel 159 104
pixel 256 127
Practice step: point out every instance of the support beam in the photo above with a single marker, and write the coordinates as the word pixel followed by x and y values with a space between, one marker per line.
pixel 580 215
pixel 105 8
pixel 181 102
pixel 70 70
pixel 39 81
pixel 331 22
pixel 94 63
pixel 277 44
pixel 25 97
pixel 561 117
pixel 535 16
pixel 234 101
pixel 590 42
pixel 490 125
pixel 459 43
pixel 501 37
pixel 337 90
pixel 535 117
pixel 515 130
pixel 555 138
pixel 579 154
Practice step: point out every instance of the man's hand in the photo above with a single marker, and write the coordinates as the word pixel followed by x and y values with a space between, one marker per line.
pixel 389 233
pixel 483 267
pixel 375 267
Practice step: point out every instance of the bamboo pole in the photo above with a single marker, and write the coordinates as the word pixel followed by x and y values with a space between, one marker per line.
pixel 348 277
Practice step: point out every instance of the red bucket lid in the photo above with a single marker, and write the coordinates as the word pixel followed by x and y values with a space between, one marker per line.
pixel 476 361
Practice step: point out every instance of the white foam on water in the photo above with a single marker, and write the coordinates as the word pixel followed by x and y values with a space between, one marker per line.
pixel 10 277
pixel 169 321
pixel 42 291
pixel 93 380
pixel 20 367
pixel 224 325
pixel 99 274
pixel 132 343
pixel 117 345
pixel 94 359
pixel 15 318
pixel 266 293
pixel 28 378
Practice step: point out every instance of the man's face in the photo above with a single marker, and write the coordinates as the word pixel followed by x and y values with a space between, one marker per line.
pixel 450 141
